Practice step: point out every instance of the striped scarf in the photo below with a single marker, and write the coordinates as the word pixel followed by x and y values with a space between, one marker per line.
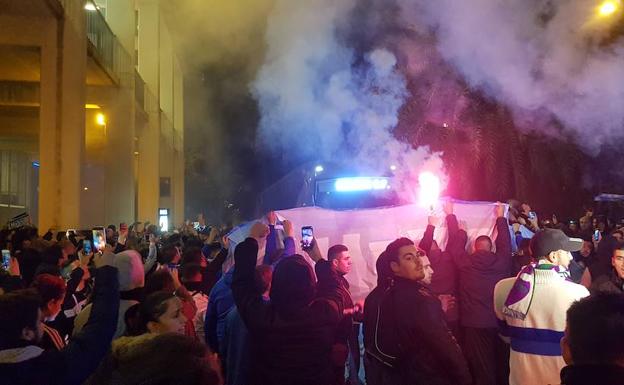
pixel 520 296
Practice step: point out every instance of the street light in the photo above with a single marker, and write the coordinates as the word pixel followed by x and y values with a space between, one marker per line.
pixel 100 119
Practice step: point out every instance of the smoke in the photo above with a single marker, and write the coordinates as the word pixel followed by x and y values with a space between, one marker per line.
pixel 322 99
pixel 553 62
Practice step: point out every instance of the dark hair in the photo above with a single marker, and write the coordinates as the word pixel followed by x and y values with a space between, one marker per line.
pixel 189 271
pixel 190 242
pixel 262 278
pixel 333 251
pixel 52 255
pixel 29 259
pixel 596 329
pixel 18 310
pixel 148 359
pixel 384 273
pixel 153 307
pixel 167 254
pixel 392 251
pixel 484 238
pixel 157 281
pixel 49 287
pixel 191 255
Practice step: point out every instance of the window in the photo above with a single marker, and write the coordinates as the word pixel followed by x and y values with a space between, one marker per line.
pixel 13 179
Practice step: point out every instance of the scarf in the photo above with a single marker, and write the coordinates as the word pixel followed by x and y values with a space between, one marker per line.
pixel 520 296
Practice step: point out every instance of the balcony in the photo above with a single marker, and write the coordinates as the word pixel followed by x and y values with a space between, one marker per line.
pixel 106 49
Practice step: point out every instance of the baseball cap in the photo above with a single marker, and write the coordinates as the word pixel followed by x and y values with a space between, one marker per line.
pixel 549 240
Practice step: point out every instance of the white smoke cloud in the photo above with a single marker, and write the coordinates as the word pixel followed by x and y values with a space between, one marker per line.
pixel 544 59
pixel 317 100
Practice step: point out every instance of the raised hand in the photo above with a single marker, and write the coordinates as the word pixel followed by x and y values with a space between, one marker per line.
pixel 289 230
pixel 499 210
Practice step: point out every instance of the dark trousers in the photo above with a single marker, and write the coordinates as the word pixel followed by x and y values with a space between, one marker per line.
pixel 354 354
pixel 487 356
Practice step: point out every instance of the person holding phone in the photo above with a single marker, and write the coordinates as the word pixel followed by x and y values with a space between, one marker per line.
pixel 22 329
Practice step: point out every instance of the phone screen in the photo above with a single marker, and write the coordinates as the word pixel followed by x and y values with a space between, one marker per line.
pixel 6 259
pixel 307 234
pixel 99 238
pixel 597 235
pixel 86 245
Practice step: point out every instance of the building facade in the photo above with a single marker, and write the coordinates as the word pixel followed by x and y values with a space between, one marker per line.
pixel 91 114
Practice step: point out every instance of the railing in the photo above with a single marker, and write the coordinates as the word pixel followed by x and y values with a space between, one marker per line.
pixel 139 90
pixel 107 48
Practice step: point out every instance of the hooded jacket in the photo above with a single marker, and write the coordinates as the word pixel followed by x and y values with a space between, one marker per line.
pixel 478 275
pixel 131 280
pixel 291 337
pixel 30 365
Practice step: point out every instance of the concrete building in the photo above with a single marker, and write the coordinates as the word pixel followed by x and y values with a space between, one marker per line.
pixel 91 113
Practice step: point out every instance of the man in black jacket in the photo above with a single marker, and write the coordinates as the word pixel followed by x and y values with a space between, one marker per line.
pixel 22 362
pixel 592 344
pixel 444 281
pixel 614 282
pixel 411 333
pixel 291 337
pixel 487 354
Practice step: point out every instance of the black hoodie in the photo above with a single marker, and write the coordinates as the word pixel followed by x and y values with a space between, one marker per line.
pixel 291 337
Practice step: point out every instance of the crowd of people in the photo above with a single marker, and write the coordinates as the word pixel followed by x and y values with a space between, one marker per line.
pixel 542 303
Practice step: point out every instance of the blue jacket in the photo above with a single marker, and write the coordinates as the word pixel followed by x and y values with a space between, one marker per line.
pixel 220 303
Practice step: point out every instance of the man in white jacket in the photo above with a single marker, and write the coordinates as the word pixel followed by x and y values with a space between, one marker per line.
pixel 531 309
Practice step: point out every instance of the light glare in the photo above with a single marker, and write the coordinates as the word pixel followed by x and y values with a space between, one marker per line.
pixel 100 119
pixel 608 8
pixel 360 184
pixel 319 168
pixel 429 189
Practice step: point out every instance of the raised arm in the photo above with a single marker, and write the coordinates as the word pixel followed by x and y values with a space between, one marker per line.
pixel 87 348
pixel 503 240
pixel 248 302
pixel 427 239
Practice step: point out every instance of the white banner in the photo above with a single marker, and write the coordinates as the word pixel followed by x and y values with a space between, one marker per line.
pixel 367 232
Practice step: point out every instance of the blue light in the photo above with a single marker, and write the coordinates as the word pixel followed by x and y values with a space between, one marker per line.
pixel 35 164
pixel 360 184
pixel 318 168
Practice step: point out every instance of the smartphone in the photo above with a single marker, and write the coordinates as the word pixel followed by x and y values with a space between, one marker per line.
pixel 597 235
pixel 147 237
pixel 196 225
pixel 99 238
pixel 307 235
pixel 6 259
pixel 86 246
pixel 70 232
pixel 532 215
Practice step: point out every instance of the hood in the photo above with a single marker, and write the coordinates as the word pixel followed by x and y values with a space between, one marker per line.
pixel 126 347
pixel 131 271
pixel 482 260
pixel 293 286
